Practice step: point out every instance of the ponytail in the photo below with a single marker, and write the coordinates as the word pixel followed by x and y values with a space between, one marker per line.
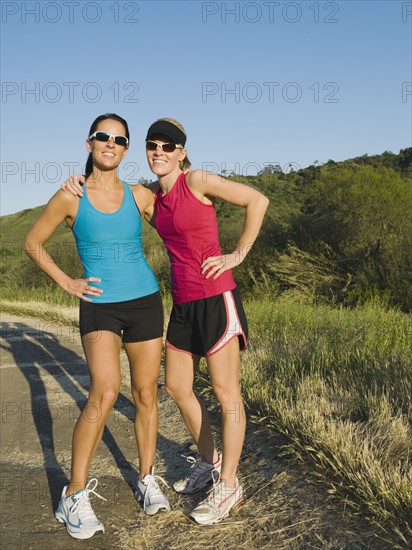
pixel 89 166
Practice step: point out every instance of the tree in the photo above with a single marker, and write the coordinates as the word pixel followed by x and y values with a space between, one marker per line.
pixel 363 214
pixel 270 169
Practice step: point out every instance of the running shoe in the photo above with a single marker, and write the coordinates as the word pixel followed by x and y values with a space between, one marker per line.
pixel 149 493
pixel 218 503
pixel 76 513
pixel 200 475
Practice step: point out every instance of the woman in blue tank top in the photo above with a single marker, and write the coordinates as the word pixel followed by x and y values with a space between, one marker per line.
pixel 119 301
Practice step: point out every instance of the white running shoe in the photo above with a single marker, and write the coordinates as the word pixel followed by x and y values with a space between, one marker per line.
pixel 149 492
pixel 199 476
pixel 76 512
pixel 218 503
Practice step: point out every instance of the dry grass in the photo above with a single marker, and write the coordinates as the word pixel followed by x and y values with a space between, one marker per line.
pixel 287 507
pixel 336 384
pixel 42 310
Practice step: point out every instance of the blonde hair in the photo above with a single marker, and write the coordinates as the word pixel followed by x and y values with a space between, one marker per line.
pixel 184 164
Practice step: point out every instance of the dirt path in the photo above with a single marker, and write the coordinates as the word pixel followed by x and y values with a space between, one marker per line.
pixel 44 384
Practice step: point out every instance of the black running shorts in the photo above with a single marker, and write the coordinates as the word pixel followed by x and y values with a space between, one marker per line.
pixel 135 320
pixel 203 327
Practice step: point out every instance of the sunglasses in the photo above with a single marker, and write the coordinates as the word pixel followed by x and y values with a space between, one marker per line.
pixel 103 136
pixel 165 147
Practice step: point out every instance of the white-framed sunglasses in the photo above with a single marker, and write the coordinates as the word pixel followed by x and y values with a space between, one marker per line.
pixel 166 147
pixel 104 136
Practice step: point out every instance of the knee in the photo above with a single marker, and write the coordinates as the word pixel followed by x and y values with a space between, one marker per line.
pixel 228 397
pixel 108 398
pixel 99 405
pixel 145 396
pixel 177 393
pixel 170 391
pixel 231 406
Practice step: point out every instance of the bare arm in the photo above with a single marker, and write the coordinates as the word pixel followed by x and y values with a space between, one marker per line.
pixel 144 198
pixel 154 187
pixel 255 204
pixel 62 206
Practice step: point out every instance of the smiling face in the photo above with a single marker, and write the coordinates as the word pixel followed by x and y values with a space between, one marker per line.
pixel 162 163
pixel 107 155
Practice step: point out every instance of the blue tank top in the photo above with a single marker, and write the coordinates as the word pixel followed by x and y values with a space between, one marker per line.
pixel 110 247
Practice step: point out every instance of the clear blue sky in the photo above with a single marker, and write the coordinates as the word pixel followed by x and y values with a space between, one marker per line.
pixel 252 82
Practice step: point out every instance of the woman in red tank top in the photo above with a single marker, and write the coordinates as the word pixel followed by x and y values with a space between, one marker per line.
pixel 207 317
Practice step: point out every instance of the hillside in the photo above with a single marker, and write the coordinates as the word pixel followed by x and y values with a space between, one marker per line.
pixel 337 232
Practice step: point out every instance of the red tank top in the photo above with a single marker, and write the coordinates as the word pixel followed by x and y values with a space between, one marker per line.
pixel 189 230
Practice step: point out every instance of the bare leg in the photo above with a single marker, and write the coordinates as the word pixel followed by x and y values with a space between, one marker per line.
pixel 180 369
pixel 224 376
pixel 144 360
pixel 102 355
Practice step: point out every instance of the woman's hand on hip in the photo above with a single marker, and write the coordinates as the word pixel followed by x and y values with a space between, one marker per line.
pixel 81 287
pixel 216 265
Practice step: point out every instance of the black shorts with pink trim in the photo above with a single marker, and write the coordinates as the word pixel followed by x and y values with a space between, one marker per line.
pixel 203 327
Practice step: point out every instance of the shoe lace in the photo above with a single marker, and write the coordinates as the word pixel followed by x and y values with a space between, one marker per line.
pixel 83 500
pixel 197 464
pixel 218 491
pixel 153 490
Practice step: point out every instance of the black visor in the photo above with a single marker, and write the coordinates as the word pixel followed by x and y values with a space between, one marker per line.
pixel 167 129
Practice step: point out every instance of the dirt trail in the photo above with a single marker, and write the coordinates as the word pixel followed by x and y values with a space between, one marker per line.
pixel 44 384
